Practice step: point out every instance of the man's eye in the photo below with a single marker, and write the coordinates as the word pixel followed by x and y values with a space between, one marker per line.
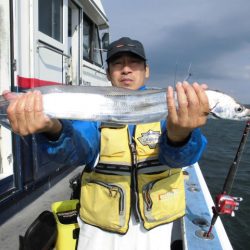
pixel 117 63
pixel 135 61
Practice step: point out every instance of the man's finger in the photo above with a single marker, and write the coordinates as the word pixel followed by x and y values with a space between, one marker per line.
pixel 182 101
pixel 20 115
pixel 29 111
pixel 202 97
pixel 11 112
pixel 9 95
pixel 193 100
pixel 172 112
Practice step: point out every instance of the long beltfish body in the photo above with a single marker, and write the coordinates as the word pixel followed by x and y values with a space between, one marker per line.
pixel 118 105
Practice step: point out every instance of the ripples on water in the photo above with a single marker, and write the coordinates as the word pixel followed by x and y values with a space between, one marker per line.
pixel 223 141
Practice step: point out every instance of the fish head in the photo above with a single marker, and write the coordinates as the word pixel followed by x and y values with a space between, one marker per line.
pixel 223 106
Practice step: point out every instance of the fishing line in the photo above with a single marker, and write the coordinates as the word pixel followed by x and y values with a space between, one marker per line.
pixel 175 72
pixel 189 73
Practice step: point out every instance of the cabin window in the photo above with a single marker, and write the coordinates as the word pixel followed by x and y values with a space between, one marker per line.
pixel 97 58
pixel 69 22
pixel 91 42
pixel 87 39
pixel 51 18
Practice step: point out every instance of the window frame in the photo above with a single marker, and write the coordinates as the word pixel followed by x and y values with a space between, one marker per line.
pixel 52 32
pixel 93 29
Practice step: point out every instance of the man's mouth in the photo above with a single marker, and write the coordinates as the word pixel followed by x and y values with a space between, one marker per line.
pixel 126 80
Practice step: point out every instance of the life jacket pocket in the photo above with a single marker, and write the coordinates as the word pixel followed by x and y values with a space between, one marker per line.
pixel 162 200
pixel 103 204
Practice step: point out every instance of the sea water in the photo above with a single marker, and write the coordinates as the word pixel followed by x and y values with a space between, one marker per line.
pixel 223 141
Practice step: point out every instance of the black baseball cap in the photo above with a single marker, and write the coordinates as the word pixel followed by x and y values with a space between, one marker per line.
pixel 125 44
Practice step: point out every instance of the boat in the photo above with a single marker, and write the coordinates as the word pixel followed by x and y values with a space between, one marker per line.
pixel 44 43
pixel 62 42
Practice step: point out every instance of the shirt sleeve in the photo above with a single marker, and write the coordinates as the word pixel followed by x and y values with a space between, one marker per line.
pixel 181 156
pixel 78 143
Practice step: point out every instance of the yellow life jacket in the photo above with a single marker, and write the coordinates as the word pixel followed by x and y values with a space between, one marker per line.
pixel 116 142
pixel 128 177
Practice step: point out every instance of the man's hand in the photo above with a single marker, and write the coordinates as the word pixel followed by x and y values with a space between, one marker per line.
pixel 25 113
pixel 190 113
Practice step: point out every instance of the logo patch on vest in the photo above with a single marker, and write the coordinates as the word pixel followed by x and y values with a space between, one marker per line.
pixel 150 138
pixel 168 195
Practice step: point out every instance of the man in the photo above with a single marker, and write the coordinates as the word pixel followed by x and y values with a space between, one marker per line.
pixel 126 166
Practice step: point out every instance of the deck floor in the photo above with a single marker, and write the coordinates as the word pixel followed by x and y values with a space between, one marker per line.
pixel 18 223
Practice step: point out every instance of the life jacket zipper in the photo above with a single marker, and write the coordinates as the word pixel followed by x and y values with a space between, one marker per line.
pixel 134 189
pixel 146 195
pixel 113 188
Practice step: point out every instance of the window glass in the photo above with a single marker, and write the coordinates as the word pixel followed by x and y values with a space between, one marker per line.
pixel 91 42
pixel 97 58
pixel 86 39
pixel 69 22
pixel 51 18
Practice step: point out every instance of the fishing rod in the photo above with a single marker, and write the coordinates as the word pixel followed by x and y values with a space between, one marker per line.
pixel 225 203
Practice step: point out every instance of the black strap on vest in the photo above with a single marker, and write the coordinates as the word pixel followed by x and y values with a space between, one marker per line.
pixel 111 125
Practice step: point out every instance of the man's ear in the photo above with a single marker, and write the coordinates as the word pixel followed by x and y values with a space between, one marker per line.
pixel 147 73
pixel 108 75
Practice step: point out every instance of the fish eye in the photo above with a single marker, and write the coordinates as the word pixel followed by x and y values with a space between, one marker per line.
pixel 239 109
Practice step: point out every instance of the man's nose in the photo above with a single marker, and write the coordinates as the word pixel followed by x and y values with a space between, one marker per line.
pixel 126 68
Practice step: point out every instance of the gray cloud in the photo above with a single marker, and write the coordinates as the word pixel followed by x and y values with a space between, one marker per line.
pixel 212 35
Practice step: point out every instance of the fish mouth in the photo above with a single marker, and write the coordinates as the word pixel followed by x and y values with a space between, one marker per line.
pixel 247 116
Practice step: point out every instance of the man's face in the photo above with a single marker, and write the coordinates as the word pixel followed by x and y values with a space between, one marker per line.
pixel 127 71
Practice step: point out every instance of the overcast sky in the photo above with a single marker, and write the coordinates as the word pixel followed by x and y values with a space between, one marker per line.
pixel 213 36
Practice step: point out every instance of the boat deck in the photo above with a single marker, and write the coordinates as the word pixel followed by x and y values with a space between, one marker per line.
pixel 18 223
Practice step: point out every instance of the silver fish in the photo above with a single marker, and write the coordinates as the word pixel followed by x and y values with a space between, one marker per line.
pixel 123 106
